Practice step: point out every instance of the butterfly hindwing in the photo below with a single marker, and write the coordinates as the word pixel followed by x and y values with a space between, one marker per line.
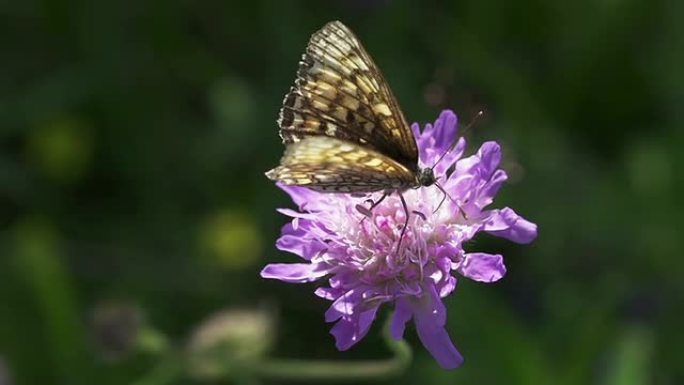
pixel 328 164
pixel 340 93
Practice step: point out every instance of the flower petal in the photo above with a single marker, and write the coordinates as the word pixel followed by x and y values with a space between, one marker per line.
pixel 435 139
pixel 490 157
pixel 300 195
pixel 402 314
pixel 448 287
pixel 482 267
pixel 345 305
pixel 430 317
pixel 300 241
pixel 505 223
pixel 445 130
pixel 461 179
pixel 492 187
pixel 415 127
pixel 450 158
pixel 350 330
pixel 295 214
pixel 328 293
pixel 294 272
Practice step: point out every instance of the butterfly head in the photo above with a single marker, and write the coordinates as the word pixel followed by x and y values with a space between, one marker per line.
pixel 426 177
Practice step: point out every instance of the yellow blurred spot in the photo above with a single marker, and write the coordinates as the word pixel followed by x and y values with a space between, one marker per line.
pixel 231 238
pixel 60 149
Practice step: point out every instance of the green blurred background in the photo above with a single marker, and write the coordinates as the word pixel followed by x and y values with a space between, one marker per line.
pixel 135 135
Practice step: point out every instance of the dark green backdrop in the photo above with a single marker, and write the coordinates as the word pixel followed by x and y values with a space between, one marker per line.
pixel 135 135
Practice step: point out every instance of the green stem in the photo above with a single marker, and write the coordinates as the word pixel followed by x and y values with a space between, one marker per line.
pixel 172 365
pixel 167 371
pixel 316 370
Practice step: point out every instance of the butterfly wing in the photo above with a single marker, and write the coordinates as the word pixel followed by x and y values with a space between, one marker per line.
pixel 340 93
pixel 332 165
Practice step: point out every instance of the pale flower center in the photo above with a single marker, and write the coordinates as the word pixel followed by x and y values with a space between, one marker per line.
pixel 372 242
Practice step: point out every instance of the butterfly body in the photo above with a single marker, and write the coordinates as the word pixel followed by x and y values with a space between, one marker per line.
pixel 342 166
pixel 341 124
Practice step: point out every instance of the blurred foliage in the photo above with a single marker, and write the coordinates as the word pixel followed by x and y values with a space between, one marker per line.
pixel 134 137
pixel 228 341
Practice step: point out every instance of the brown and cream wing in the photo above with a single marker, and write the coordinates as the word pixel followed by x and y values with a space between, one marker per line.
pixel 339 92
pixel 328 164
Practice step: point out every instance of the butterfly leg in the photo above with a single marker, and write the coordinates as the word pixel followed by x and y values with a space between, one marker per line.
pixel 403 229
pixel 368 212
pixel 440 202
pixel 444 197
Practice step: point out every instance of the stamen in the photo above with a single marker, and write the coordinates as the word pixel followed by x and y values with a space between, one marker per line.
pixel 368 212
pixel 420 214
pixel 364 211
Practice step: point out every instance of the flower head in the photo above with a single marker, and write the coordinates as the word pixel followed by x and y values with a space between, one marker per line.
pixel 360 258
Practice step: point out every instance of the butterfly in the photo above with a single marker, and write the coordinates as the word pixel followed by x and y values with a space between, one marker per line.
pixel 343 129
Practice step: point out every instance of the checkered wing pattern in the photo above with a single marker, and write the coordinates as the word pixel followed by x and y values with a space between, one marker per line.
pixel 340 93
pixel 332 165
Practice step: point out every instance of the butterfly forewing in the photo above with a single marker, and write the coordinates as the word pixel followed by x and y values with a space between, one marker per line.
pixel 383 103
pixel 340 93
pixel 333 165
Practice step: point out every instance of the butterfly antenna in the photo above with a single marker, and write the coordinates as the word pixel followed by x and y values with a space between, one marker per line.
pixel 467 127
pixel 446 195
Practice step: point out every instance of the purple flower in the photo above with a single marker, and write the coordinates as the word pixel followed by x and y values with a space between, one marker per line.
pixel 360 258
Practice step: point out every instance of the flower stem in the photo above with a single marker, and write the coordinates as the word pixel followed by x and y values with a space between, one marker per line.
pixel 168 370
pixel 315 370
